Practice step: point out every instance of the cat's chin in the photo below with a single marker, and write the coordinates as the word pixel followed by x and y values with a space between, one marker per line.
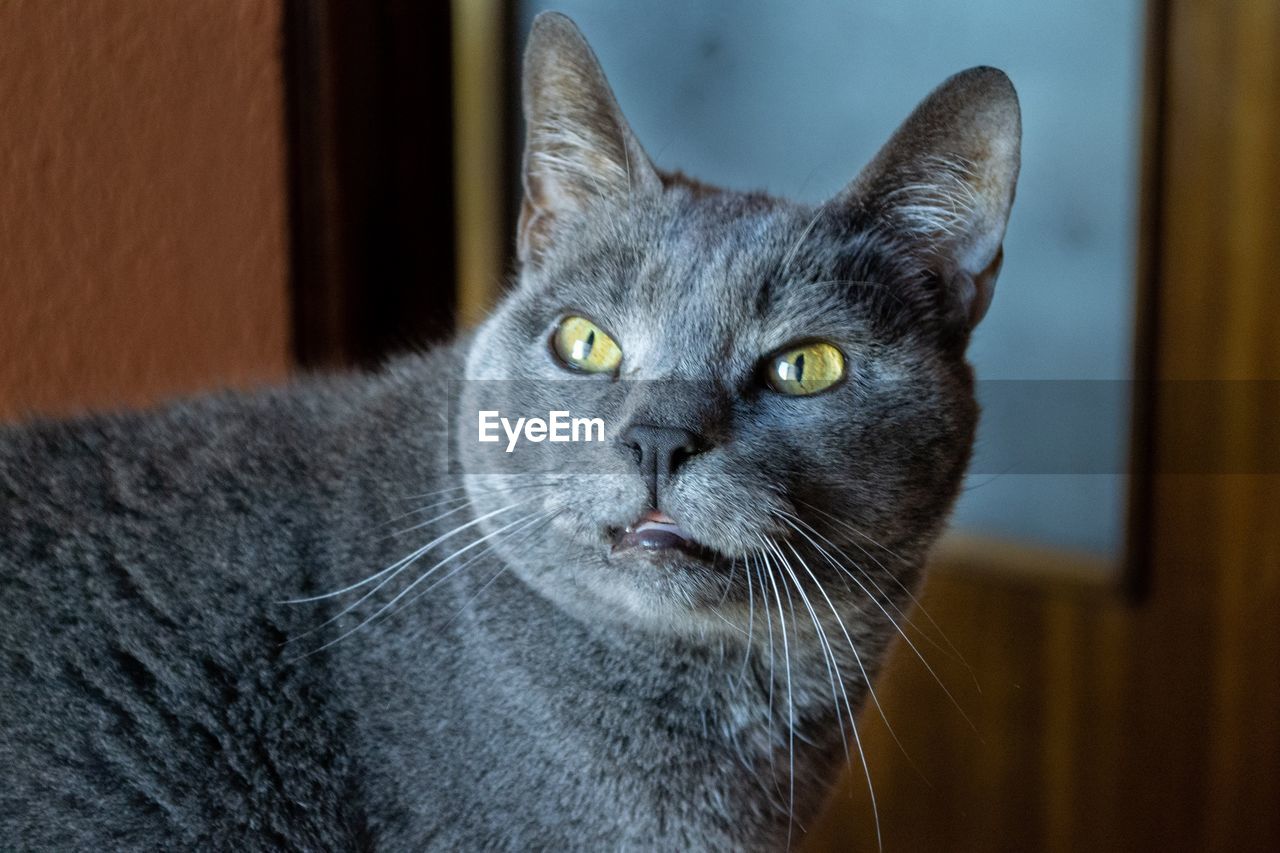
pixel 668 590
pixel 647 572
pixel 663 592
pixel 671 587
pixel 678 561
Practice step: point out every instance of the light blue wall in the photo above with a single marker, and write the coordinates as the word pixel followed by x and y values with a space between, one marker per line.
pixel 795 97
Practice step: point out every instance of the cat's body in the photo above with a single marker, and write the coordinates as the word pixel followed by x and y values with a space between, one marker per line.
pixel 151 701
pixel 556 681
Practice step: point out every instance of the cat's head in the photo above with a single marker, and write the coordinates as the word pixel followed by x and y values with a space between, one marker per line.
pixel 777 380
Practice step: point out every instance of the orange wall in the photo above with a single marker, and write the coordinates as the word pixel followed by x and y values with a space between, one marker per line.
pixel 142 200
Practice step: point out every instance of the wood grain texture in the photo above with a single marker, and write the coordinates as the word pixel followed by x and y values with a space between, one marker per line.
pixel 143 237
pixel 482 142
pixel 1100 724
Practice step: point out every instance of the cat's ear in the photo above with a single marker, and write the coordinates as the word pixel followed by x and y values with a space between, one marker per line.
pixel 578 147
pixel 944 183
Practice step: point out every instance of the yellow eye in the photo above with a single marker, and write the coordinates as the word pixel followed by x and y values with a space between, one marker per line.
pixel 583 345
pixel 806 369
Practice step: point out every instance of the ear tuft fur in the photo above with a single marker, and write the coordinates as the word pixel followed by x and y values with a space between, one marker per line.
pixel 578 148
pixel 944 184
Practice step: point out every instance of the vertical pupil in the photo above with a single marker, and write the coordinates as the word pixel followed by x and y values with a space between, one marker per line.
pixel 800 367
pixel 582 346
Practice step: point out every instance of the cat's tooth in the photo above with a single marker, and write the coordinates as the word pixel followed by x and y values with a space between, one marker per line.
pixel 674 529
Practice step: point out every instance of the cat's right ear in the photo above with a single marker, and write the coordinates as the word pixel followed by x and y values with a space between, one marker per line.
pixel 578 147
pixel 944 183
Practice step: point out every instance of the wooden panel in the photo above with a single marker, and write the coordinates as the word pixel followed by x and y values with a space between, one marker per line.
pixel 1100 724
pixel 142 216
pixel 483 151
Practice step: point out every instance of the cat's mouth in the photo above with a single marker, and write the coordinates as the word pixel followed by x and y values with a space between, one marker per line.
pixel 657 532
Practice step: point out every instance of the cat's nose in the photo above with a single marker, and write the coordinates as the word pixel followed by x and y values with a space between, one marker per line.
pixel 660 451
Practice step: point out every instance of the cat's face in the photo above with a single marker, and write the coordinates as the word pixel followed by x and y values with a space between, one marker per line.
pixel 783 386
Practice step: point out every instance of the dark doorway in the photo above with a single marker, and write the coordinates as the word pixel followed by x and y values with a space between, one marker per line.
pixel 369 89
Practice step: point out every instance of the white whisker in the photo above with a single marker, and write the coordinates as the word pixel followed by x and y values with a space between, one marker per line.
pixel 491 580
pixel 907 639
pixel 857 737
pixel 420 578
pixel 531 526
pixel 398 566
pixel 790 256
pixel 751 618
pixel 791 708
pixel 503 490
pixel 769 624
pixel 828 653
pixel 953 650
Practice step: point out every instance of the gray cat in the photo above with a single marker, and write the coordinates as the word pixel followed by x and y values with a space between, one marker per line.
pixel 225 626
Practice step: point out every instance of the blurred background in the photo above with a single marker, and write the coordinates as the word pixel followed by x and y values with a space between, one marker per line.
pixel 230 192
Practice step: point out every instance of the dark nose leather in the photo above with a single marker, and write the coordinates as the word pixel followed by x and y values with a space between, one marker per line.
pixel 660 451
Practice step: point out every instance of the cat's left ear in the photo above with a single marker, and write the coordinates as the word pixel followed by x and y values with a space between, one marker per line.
pixel 944 183
pixel 578 148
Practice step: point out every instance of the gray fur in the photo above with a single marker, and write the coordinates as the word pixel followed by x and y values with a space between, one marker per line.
pixel 547 695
